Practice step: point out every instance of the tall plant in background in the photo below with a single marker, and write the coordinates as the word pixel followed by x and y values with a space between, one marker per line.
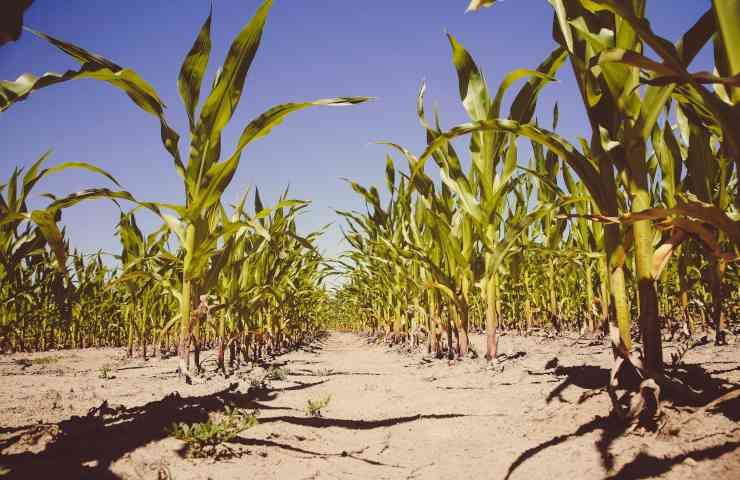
pixel 483 192
pixel 205 176
pixel 604 40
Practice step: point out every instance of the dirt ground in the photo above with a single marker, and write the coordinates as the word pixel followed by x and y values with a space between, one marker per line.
pixel 391 415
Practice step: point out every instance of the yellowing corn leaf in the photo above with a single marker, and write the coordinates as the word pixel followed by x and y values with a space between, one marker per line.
pixel 478 4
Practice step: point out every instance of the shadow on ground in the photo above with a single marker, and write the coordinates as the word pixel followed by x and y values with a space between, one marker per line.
pixel 585 376
pixel 86 447
pixel 721 396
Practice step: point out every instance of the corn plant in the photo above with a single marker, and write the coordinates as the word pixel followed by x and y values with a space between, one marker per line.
pixel 205 177
pixel 596 233
pixel 604 40
pixel 199 223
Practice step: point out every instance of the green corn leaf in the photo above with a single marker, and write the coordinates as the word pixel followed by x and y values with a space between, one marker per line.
pixel 193 69
pixel 478 4
pixel 562 19
pixel 263 124
pixel 47 223
pixel 586 170
pixel 80 165
pixel 523 106
pixel 473 88
pixel 727 14
pixel 33 175
pixel 219 175
pixel 688 47
pixel 97 68
pixel 223 99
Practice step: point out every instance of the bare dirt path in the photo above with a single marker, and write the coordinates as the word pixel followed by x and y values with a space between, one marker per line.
pixel 391 415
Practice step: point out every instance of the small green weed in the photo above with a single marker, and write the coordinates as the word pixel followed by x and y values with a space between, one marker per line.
pixel 105 372
pixel 314 407
pixel 207 439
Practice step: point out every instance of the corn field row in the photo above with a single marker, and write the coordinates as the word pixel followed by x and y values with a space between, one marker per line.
pixel 212 275
pixel 257 299
pixel 633 231
pixel 637 221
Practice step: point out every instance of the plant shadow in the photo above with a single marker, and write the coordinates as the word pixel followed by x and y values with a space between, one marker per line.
pixel 587 377
pixel 643 465
pixel 86 447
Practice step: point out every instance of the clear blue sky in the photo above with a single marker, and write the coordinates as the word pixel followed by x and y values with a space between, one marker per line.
pixel 310 49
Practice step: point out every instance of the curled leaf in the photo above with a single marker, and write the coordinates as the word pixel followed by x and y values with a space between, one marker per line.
pixel 476 5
